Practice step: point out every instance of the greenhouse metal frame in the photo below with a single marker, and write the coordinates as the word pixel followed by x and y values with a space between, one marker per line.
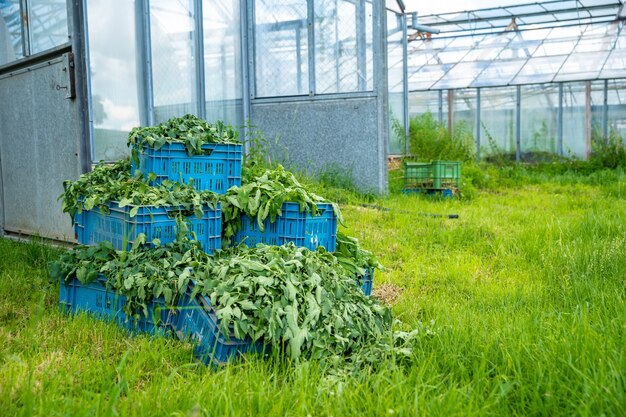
pixel 539 77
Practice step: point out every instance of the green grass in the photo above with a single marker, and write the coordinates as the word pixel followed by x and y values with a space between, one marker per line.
pixel 525 295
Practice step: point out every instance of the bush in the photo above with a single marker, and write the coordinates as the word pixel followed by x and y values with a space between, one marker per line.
pixel 430 140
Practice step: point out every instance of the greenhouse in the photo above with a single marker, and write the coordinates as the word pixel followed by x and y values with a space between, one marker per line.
pixel 533 78
pixel 77 76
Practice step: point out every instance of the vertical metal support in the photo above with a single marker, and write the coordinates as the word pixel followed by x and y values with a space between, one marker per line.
pixel 311 44
pixel 337 47
pixel 440 106
pixel 361 45
pixel 80 47
pixel 587 119
pixel 250 47
pixel 518 123
pixel 450 110
pixel 478 124
pixel 559 123
pixel 144 63
pixel 199 59
pixel 381 89
pixel 245 68
pixel 605 112
pixel 25 27
pixel 405 84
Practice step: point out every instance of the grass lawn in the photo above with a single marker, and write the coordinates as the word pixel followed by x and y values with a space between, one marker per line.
pixel 522 300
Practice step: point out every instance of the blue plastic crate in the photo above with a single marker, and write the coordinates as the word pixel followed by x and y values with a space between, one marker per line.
pixel 195 318
pixel 295 226
pixel 105 303
pixel 366 281
pixel 217 169
pixel 93 226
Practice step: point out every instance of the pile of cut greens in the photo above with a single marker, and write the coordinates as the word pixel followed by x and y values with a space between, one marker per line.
pixel 300 301
pixel 263 197
pixel 113 183
pixel 189 130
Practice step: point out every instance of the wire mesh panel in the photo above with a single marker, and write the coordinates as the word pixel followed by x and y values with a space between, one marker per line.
pixel 173 55
pixel 10 31
pixel 343 46
pixel 48 24
pixel 281 48
pixel 222 60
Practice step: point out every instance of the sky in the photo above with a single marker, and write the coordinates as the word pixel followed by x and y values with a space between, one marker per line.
pixel 426 7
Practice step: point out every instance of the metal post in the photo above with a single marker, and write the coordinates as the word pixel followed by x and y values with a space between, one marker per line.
pixel 199 64
pixel 245 73
pixel 559 123
pixel 440 106
pixel 361 46
pixel 311 44
pixel 518 123
pixel 605 112
pixel 144 49
pixel 588 118
pixel 405 84
pixel 478 124
pixel 450 110
pixel 381 89
pixel 80 47
pixel 24 28
pixel 250 48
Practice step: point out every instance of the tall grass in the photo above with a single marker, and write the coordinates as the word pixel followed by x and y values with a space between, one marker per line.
pixel 524 298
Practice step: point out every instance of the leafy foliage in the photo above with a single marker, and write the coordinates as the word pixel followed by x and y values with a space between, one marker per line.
pixel 352 257
pixel 305 304
pixel 431 140
pixel 140 275
pixel 290 295
pixel 189 130
pixel 263 197
pixel 108 183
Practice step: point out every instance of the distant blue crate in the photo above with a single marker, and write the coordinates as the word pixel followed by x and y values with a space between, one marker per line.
pixel 445 192
pixel 195 318
pixel 295 226
pixel 217 169
pixel 93 226
pixel 105 303
pixel 366 281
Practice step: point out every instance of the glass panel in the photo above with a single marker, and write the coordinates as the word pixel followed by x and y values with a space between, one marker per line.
pixel 539 69
pixel 426 76
pixel 617 108
pixel 615 66
pixel 574 120
pixel 47 24
pixel 343 46
pixel 582 66
pixel 396 94
pixel 498 73
pixel 10 31
pixel 114 79
pixel 597 103
pixel 464 108
pixel 497 122
pixel 222 61
pixel 461 75
pixel 173 65
pixel 281 48
pixel 538 120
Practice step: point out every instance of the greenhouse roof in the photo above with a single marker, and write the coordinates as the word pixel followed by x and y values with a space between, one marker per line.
pixel 551 41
